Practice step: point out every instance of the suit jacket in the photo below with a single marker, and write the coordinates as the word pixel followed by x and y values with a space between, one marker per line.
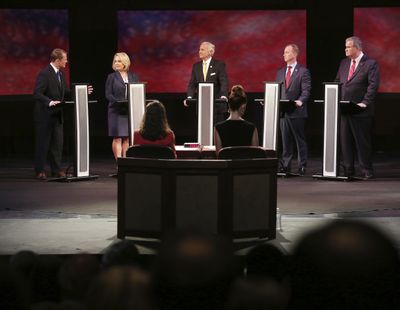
pixel 48 88
pixel 299 89
pixel 116 88
pixel 362 86
pixel 216 74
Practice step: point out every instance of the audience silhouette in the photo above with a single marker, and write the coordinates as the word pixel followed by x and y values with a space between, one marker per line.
pixel 345 264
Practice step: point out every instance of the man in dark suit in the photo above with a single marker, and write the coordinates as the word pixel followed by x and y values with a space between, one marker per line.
pixel 50 90
pixel 295 85
pixel 210 70
pixel 359 76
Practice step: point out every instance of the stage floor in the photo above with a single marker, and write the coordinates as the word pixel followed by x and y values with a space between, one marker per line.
pixel 77 217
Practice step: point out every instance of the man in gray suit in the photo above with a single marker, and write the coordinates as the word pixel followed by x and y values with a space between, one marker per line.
pixel 359 76
pixel 295 85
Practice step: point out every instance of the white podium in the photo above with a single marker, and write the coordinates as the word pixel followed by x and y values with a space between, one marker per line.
pixel 81 135
pixel 332 111
pixel 271 115
pixel 136 106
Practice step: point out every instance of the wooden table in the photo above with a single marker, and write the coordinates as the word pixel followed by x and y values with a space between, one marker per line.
pixel 203 152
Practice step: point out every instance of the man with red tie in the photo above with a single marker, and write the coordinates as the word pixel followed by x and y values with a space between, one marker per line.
pixel 295 85
pixel 359 76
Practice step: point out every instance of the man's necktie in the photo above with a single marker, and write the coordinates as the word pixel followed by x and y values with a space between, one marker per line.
pixel 352 69
pixel 204 70
pixel 288 74
pixel 59 76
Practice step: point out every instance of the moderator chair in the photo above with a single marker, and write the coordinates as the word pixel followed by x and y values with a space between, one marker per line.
pixel 151 151
pixel 241 152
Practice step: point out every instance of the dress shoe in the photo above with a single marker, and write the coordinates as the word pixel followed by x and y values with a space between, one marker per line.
pixel 41 176
pixel 60 174
pixel 284 170
pixel 367 176
pixel 302 170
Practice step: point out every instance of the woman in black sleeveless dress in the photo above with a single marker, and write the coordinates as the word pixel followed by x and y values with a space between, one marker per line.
pixel 235 131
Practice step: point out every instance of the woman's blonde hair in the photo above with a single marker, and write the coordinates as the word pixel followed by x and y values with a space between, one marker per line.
pixel 124 59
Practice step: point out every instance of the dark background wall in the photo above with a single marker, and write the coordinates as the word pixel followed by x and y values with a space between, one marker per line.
pixel 93 42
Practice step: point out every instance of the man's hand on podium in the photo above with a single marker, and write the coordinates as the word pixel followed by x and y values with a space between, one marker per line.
pixel 54 103
pixel 362 105
pixel 298 103
pixel 90 89
pixel 185 103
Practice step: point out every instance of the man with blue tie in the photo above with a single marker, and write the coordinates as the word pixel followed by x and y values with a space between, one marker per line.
pixel 295 85
pixel 50 90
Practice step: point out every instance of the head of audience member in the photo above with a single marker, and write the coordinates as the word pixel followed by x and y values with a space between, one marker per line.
pixel 193 271
pixel 237 100
pixel 59 58
pixel 154 124
pixel 266 260
pixel 206 50
pixel 76 275
pixel 120 288
pixel 121 62
pixel 257 293
pixel 44 279
pixel 353 47
pixel 122 253
pixel 346 265
pixel 23 262
pixel 290 53
pixel 13 289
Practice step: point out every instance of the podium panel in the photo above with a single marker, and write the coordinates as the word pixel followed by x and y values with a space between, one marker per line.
pixel 81 131
pixel 331 124
pixel 259 204
pixel 349 107
pixel 271 115
pixel 136 107
pixel 286 106
pixel 205 124
pixel 148 218
pixel 191 210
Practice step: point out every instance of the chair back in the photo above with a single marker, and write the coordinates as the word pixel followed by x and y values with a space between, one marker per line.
pixel 150 151
pixel 241 152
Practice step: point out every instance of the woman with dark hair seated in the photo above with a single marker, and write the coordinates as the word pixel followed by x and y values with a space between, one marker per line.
pixel 235 131
pixel 154 129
